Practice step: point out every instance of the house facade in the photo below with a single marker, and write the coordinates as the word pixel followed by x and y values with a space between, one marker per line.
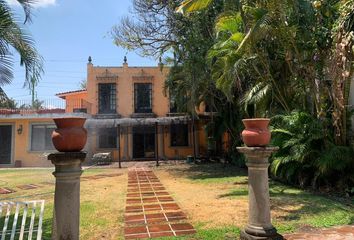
pixel 128 115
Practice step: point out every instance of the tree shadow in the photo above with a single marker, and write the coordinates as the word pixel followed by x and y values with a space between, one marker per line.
pixel 235 193
pixel 296 203
pixel 208 171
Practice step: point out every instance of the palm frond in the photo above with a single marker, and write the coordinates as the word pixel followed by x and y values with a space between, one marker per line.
pixel 188 6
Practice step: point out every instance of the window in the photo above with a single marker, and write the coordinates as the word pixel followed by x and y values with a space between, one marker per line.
pixel 108 138
pixel 107 98
pixel 179 135
pixel 41 137
pixel 143 97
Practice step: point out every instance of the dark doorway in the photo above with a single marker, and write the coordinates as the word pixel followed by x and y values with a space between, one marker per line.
pixel 5 144
pixel 107 98
pixel 144 142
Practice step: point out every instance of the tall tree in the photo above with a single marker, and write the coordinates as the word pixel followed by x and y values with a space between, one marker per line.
pixel 13 36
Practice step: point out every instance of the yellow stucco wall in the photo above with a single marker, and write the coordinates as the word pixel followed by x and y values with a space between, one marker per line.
pixel 77 100
pixel 127 76
pixel 21 143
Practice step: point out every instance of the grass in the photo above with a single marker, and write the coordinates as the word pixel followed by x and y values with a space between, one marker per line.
pixel 213 196
pixel 292 209
pixel 223 233
pixel 95 217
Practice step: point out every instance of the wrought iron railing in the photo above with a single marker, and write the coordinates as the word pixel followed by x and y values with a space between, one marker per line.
pixel 53 106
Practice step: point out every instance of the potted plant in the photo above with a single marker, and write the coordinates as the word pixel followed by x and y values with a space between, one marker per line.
pixel 256 133
pixel 70 135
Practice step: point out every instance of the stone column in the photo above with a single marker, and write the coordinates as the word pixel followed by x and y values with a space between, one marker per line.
pixel 161 142
pixel 130 134
pixel 259 220
pixel 126 144
pixel 66 217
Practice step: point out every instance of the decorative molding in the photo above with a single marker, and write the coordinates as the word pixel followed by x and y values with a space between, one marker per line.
pixel 143 76
pixel 107 76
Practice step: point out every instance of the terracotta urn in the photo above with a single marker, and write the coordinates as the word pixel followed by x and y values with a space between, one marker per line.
pixel 70 135
pixel 256 133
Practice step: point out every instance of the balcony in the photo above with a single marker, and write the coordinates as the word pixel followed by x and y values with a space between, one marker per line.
pixel 40 107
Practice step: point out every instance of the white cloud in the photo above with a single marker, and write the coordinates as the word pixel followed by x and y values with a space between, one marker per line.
pixel 38 4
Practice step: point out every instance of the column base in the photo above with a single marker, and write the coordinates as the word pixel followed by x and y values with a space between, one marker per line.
pixel 260 234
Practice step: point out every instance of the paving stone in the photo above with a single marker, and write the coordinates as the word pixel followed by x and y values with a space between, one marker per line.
pixel 133 195
pixel 28 186
pixel 159 228
pixel 170 206
pixel 185 232
pixel 133 201
pixel 152 207
pixel 133 209
pixel 6 190
pixel 335 233
pixel 145 187
pixel 161 234
pixel 171 216
pixel 155 215
pixel 157 221
pixel 147 194
pixel 134 217
pixel 135 230
pixel 182 226
pixel 165 199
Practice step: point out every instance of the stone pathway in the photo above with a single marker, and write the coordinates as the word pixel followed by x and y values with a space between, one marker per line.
pixel 335 233
pixel 150 211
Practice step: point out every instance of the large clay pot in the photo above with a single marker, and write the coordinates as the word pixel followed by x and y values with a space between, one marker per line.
pixel 70 135
pixel 256 133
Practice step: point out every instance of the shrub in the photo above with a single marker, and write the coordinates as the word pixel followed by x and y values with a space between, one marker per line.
pixel 307 155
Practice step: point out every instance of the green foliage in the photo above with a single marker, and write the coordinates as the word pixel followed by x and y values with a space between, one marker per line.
pixel 14 36
pixel 8 103
pixel 193 5
pixel 306 155
pixel 288 59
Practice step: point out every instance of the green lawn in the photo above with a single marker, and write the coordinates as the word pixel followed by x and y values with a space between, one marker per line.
pixel 213 196
pixel 95 216
pixel 292 209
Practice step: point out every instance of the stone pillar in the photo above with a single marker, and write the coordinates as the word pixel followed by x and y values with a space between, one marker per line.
pixel 259 220
pixel 130 134
pixel 161 142
pixel 126 144
pixel 66 217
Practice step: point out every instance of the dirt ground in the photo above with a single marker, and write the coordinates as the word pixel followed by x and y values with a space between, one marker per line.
pixel 205 203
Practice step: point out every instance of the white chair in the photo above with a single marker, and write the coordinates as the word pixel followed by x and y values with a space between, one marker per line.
pixel 11 212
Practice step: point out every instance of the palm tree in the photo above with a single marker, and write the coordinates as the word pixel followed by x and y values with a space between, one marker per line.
pixel 193 5
pixel 13 36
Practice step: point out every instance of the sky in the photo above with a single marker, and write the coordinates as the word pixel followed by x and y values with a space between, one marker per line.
pixel 66 33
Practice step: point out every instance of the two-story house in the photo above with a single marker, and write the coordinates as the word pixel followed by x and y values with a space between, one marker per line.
pixel 128 114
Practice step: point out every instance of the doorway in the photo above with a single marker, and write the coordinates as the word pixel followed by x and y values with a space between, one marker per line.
pixel 5 144
pixel 144 142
